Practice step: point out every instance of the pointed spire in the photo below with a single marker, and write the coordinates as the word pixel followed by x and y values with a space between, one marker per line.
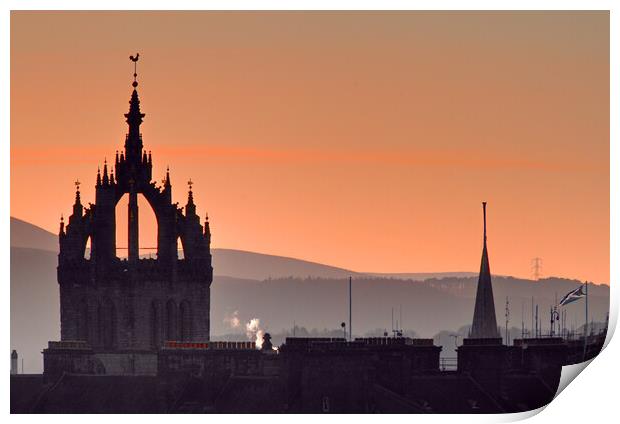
pixel 106 179
pixel 167 180
pixel 144 159
pixel 190 208
pixel 484 325
pixel 190 194
pixel 62 226
pixel 150 159
pixel 133 142
pixel 207 228
pixel 98 177
pixel 112 177
pixel 78 209
pixel 77 193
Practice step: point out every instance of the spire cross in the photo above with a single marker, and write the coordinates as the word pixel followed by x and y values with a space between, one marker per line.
pixel 77 184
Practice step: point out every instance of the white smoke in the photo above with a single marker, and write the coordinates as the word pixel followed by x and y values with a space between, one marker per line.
pixel 233 320
pixel 254 332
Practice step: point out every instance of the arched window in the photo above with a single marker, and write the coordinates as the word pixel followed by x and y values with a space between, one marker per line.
pixel 185 321
pixel 171 320
pixel 147 228
pixel 155 324
pixel 82 320
pixel 107 324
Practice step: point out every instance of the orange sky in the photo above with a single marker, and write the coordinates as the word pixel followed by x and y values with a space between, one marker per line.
pixel 360 140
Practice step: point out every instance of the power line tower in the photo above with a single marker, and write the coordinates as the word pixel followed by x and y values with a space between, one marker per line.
pixel 537 268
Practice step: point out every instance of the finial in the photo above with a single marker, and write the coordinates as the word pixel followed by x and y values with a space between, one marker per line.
pixel 77 185
pixel 135 69
pixel 190 183
pixel 167 179
pixel 62 218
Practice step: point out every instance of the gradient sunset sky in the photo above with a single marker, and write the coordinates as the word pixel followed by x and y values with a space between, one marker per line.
pixel 361 140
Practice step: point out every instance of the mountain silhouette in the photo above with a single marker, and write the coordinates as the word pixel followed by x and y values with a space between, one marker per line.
pixel 283 291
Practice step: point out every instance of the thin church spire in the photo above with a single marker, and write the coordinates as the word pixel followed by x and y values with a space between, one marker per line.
pixel 484 325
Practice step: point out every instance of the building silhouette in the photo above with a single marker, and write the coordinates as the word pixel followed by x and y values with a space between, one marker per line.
pixel 124 309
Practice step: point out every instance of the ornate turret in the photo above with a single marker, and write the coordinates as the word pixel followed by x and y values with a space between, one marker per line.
pixel 105 292
pixel 484 325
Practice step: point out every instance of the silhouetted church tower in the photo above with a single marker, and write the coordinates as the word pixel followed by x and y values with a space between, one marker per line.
pixel 133 304
pixel 484 325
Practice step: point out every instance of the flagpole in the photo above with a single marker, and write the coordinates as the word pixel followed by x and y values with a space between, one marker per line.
pixel 585 327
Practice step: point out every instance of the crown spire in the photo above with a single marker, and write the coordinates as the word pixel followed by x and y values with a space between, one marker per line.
pixel 133 142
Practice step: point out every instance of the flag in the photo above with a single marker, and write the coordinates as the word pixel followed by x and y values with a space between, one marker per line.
pixel 573 295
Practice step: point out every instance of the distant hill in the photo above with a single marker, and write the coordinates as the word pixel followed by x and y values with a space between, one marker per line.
pixel 228 262
pixel 305 293
pixel 25 234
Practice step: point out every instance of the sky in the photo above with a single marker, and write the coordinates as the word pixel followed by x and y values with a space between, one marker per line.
pixel 361 140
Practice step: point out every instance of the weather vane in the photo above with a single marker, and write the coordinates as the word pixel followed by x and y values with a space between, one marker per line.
pixel 134 59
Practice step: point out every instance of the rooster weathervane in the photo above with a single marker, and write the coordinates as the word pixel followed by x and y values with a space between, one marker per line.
pixel 134 59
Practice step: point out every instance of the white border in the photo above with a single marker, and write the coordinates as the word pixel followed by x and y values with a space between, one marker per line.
pixel 590 399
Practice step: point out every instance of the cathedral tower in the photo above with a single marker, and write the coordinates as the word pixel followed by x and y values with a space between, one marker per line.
pixel 133 304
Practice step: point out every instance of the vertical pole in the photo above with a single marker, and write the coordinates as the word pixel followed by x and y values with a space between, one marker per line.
pixel 522 321
pixel 507 317
pixel 536 321
pixel 350 311
pixel 551 323
pixel 392 322
pixel 585 327
pixel 532 313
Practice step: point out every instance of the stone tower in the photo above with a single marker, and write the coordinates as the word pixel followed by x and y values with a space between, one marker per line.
pixel 484 325
pixel 133 304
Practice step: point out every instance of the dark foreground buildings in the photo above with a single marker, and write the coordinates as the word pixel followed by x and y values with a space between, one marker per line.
pixel 135 333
